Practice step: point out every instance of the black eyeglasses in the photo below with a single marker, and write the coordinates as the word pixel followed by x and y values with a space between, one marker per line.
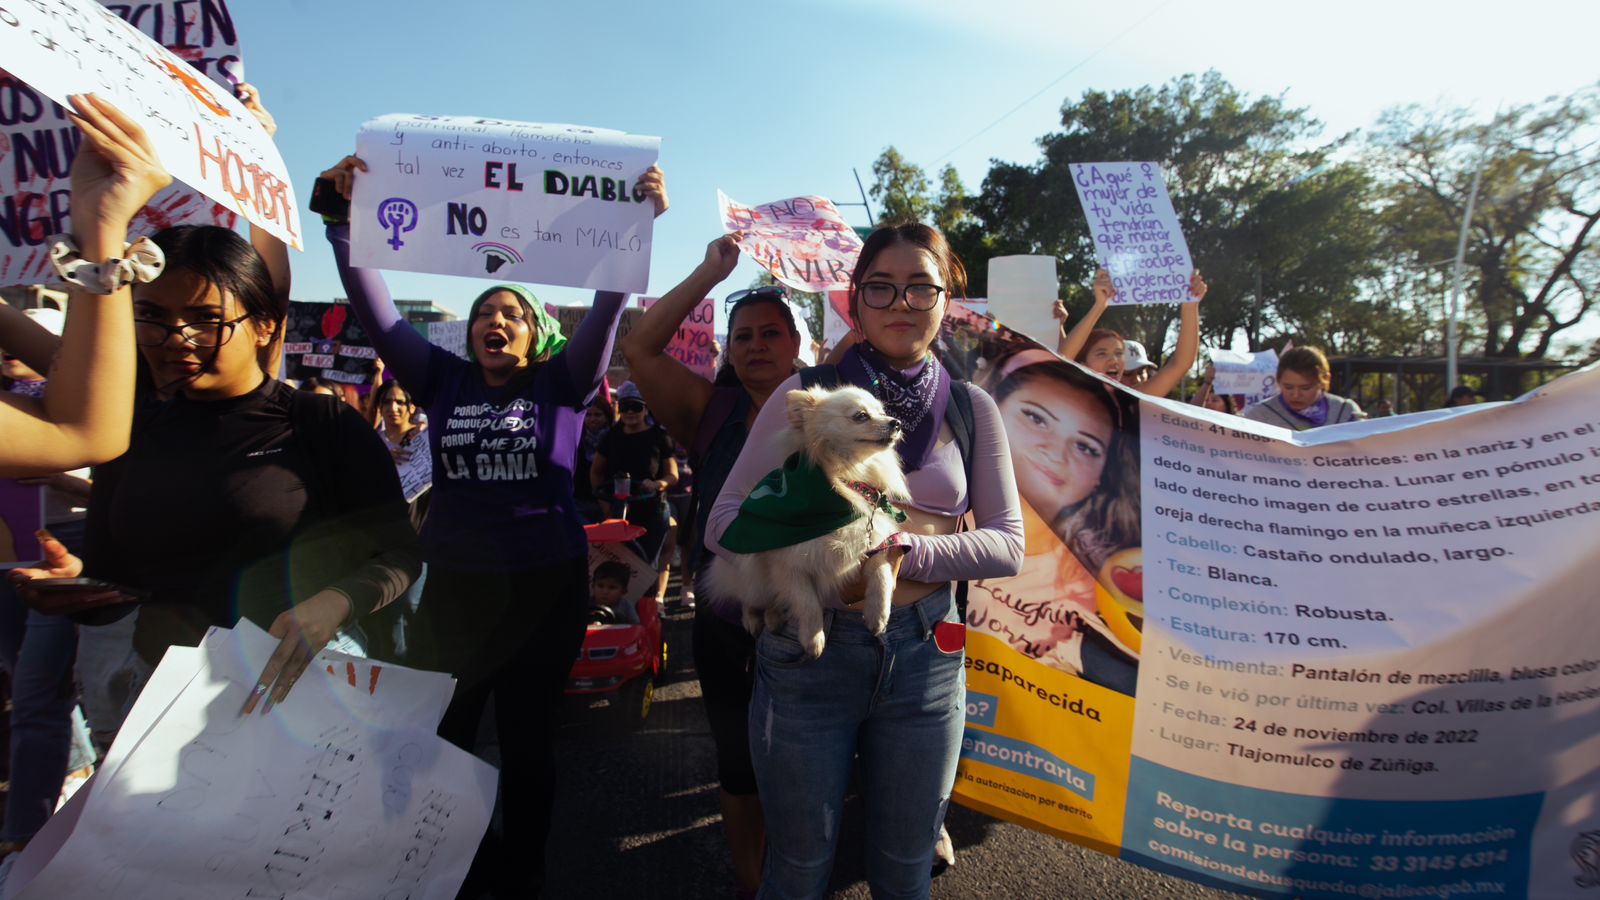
pixel 765 292
pixel 882 294
pixel 150 333
pixel 630 406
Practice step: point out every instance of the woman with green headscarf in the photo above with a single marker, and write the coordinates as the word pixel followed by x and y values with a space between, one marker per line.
pixel 507 594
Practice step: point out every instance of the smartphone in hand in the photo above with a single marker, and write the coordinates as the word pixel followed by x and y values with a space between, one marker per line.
pixel 327 201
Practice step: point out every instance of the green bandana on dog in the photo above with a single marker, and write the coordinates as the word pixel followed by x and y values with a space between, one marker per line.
pixel 792 505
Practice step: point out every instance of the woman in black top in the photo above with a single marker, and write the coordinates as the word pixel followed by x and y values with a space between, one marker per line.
pixel 639 449
pixel 241 497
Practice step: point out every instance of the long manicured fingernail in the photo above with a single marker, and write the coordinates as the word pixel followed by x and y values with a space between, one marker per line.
pixel 251 701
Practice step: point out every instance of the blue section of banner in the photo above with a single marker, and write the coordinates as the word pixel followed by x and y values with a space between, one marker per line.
pixel 1025 759
pixel 1275 843
pixel 982 708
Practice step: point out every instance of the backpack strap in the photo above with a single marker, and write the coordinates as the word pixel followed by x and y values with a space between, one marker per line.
pixel 825 376
pixel 964 426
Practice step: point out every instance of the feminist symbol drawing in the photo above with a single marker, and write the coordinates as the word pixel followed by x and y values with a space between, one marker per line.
pixel 397 214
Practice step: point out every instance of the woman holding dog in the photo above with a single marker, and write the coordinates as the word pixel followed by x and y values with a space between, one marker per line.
pixel 897 698
pixel 508 586
pixel 712 419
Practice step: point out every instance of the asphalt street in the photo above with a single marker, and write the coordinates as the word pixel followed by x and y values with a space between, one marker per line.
pixel 636 817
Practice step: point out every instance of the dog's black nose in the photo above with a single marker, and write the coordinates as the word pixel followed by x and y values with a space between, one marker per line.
pixel 895 424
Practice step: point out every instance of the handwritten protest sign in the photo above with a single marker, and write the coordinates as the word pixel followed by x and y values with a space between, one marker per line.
pixel 692 343
pixel 202 134
pixel 344 790
pixel 511 201
pixel 1252 375
pixel 451 336
pixel 21 516
pixel 571 316
pixel 803 241
pixel 1135 229
pixel 38 143
pixel 326 340
pixel 1357 661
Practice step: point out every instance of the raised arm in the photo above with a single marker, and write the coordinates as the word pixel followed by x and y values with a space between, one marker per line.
pixel 1183 356
pixel 26 339
pixel 677 396
pixel 992 549
pixel 1072 342
pixel 273 252
pixel 589 350
pixel 86 413
pixel 404 351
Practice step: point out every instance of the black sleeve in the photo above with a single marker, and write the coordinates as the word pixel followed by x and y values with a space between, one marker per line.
pixel 371 518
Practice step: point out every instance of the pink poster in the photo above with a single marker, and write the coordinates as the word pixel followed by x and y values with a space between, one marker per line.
pixel 693 342
pixel 803 241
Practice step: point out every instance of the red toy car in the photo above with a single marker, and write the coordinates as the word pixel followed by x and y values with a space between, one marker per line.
pixel 621 660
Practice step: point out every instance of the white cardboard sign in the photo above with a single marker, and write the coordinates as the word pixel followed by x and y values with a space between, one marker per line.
pixel 1022 295
pixel 508 201
pixel 1249 374
pixel 202 134
pixel 1136 234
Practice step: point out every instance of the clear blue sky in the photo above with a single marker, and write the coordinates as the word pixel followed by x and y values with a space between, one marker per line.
pixel 769 100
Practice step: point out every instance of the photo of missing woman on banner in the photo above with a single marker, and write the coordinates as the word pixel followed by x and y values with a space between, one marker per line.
pixel 1077 605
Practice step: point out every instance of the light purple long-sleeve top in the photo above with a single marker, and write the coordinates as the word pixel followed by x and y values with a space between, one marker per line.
pixel 992 549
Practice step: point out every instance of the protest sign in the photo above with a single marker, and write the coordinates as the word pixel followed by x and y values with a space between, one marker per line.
pixel 451 336
pixel 344 790
pixel 202 134
pixel 1022 295
pixel 1251 375
pixel 1135 229
pixel 416 470
pixel 510 201
pixel 1357 659
pixel 571 316
pixel 803 241
pixel 326 340
pixel 692 343
pixel 42 142
pixel 21 517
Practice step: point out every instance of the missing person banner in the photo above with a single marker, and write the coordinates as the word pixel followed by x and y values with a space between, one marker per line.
pixel 38 142
pixel 1136 233
pixel 508 201
pixel 326 340
pixel 803 241
pixel 1354 661
pixel 202 134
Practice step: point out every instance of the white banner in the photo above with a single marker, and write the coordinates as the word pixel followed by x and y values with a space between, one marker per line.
pixel 1022 295
pixel 1248 374
pixel 202 134
pixel 508 201
pixel 1136 233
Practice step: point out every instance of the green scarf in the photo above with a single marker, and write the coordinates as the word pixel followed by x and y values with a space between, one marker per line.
pixel 547 334
pixel 790 506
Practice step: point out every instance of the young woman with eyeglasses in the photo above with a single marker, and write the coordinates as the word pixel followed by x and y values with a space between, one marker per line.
pixel 712 418
pixel 508 588
pixel 896 700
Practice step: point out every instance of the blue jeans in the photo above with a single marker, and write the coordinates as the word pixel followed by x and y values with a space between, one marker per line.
pixel 38 651
pixel 897 701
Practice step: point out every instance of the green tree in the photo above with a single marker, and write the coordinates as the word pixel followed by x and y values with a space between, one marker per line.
pixel 1280 232
pixel 901 189
pixel 1532 271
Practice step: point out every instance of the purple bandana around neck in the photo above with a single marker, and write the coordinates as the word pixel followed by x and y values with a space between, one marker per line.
pixel 918 400
pixel 1316 415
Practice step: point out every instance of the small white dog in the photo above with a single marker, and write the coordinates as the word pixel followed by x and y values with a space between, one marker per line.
pixel 844 441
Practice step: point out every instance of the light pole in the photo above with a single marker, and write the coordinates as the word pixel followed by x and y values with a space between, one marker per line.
pixel 1455 277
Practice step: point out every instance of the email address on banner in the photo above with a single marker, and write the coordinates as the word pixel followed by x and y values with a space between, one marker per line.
pixel 1462 888
pixel 1026 759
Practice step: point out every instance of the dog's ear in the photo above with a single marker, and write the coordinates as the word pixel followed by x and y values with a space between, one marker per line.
pixel 801 404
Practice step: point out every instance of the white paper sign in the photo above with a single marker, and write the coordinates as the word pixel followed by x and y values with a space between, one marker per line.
pixel 1022 296
pixel 333 794
pixel 508 201
pixel 1135 229
pixel 416 473
pixel 451 336
pixel 1249 374
pixel 202 134
pixel 803 241
pixel 42 142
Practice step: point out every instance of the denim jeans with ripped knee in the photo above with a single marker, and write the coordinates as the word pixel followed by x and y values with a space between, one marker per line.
pixel 895 699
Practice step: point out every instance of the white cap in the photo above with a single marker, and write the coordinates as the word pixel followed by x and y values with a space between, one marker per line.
pixel 1134 358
